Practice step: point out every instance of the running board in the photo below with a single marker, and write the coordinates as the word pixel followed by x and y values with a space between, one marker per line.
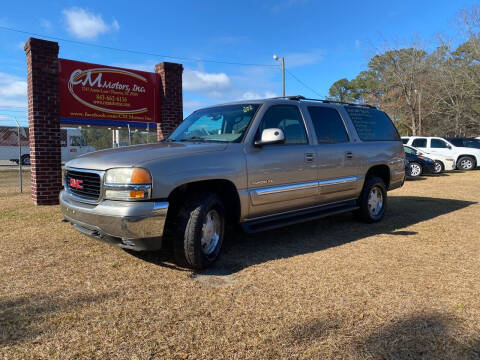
pixel 277 221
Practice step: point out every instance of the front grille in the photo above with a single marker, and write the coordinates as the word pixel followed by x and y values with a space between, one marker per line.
pixel 89 181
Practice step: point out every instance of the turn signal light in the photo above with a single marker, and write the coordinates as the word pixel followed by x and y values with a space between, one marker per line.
pixel 140 176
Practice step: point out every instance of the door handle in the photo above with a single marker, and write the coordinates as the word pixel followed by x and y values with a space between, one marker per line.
pixel 309 157
pixel 349 155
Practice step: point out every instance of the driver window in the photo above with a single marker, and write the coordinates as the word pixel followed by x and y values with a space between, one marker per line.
pixel 438 144
pixel 287 118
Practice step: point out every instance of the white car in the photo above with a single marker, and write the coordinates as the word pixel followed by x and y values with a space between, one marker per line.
pixel 442 163
pixel 466 158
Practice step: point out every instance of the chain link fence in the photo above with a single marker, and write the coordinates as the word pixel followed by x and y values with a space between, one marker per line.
pixel 75 141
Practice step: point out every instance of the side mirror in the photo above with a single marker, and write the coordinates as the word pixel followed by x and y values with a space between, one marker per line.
pixel 449 147
pixel 271 136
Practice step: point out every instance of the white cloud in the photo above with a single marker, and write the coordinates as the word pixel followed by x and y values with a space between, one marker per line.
pixel 13 91
pixel 194 80
pixel 87 25
pixel 251 95
pixel 303 58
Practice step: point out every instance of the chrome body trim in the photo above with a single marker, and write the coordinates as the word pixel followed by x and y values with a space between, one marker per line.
pixel 338 181
pixel 272 194
pixel 120 219
pixel 282 188
pixel 146 188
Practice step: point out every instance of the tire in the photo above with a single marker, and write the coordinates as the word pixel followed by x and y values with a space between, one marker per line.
pixel 465 163
pixel 26 160
pixel 200 229
pixel 438 167
pixel 415 169
pixel 373 187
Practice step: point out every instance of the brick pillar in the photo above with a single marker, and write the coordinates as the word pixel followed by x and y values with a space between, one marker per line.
pixel 171 100
pixel 43 120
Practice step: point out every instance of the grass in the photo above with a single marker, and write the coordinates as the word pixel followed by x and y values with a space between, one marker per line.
pixel 405 288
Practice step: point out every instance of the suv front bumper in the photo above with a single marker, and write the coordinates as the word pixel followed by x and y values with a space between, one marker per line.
pixel 135 225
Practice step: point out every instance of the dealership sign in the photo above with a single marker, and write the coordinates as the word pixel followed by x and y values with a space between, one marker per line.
pixel 103 95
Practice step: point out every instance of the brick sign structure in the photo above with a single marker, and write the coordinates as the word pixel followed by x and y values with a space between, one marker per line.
pixel 159 101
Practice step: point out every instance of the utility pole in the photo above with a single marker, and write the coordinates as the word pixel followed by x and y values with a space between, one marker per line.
pixel 282 61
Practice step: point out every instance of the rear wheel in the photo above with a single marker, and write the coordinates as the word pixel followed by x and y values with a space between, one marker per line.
pixel 200 229
pixel 438 167
pixel 466 163
pixel 373 200
pixel 415 169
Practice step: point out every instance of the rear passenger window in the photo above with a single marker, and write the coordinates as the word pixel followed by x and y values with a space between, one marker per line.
pixel 372 124
pixel 419 143
pixel 328 125
pixel 287 118
pixel 438 144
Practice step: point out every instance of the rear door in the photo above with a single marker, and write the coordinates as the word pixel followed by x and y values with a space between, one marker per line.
pixel 337 158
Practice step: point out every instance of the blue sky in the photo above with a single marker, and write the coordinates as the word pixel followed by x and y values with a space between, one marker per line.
pixel 322 41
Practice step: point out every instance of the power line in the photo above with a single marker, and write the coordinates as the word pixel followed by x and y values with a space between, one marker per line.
pixel 184 58
pixel 303 84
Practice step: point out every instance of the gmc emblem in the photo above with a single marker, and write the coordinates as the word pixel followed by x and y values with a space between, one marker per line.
pixel 77 184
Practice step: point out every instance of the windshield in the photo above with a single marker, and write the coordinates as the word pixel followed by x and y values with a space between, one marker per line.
pixel 220 124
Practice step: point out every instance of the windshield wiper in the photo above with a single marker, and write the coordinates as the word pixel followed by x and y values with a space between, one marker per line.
pixel 193 138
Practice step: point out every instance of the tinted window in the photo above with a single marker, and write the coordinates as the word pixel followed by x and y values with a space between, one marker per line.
pixel 372 124
pixel 438 144
pixel 419 143
pixel 405 141
pixel 287 118
pixel 473 143
pixel 328 125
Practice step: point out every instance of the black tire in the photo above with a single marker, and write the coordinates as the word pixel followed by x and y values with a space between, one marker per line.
pixel 438 167
pixel 190 223
pixel 365 212
pixel 415 169
pixel 26 159
pixel 466 163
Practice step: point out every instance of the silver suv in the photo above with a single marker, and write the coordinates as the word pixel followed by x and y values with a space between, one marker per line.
pixel 263 164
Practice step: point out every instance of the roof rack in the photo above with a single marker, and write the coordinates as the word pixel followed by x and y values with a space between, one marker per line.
pixel 325 101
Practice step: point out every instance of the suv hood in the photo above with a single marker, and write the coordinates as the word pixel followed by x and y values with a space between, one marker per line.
pixel 140 155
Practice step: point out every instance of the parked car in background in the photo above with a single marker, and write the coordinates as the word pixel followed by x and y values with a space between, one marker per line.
pixel 72 142
pixel 464 142
pixel 418 164
pixel 262 163
pixel 442 163
pixel 466 158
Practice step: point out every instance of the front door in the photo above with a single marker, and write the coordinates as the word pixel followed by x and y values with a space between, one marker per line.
pixel 282 177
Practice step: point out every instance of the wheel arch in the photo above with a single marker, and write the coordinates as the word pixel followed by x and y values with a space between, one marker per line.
pixel 224 188
pixel 382 171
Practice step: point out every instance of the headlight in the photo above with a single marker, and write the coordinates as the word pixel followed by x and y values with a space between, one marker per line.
pixel 127 184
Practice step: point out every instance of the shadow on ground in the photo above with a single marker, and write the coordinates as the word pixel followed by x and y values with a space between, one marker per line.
pixel 419 336
pixel 243 250
pixel 25 318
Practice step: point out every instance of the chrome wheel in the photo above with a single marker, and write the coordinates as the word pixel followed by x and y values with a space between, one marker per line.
pixel 211 232
pixel 415 169
pixel 438 167
pixel 375 201
pixel 466 164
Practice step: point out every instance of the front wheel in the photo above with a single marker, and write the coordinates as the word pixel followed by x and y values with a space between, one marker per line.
pixel 200 229
pixel 373 200
pixel 438 167
pixel 415 169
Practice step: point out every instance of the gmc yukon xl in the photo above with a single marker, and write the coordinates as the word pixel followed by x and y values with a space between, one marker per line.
pixel 261 164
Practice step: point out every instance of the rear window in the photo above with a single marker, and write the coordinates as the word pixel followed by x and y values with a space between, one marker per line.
pixel 372 124
pixel 419 143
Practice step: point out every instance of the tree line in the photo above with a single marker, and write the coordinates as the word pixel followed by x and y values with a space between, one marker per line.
pixel 434 93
